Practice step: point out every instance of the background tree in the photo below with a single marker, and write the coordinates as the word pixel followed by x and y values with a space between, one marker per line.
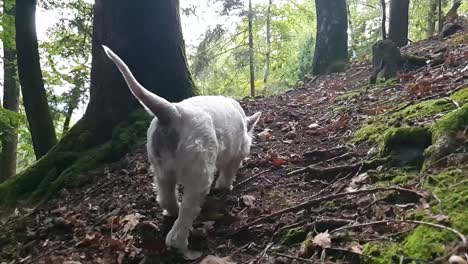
pixel 384 19
pixel 398 29
pixel 30 75
pixel 156 56
pixel 251 51
pixel 431 18
pixel 268 44
pixel 10 90
pixel 331 44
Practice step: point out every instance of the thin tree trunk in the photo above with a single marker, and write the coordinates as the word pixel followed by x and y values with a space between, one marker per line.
pixel 73 102
pixel 268 42
pixel 251 51
pixel 30 75
pixel 331 48
pixel 10 102
pixel 398 30
pixel 431 18
pixel 440 16
pixel 384 19
pixel 352 41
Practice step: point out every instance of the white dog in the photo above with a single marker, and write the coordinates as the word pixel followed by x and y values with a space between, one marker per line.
pixel 187 142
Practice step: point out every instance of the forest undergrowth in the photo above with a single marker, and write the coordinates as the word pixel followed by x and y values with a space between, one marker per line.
pixel 340 172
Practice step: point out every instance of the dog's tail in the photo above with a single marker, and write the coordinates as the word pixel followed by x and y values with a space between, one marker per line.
pixel 160 107
pixel 252 121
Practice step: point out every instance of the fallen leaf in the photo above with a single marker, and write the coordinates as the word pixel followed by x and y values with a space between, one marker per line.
pixel 322 240
pixel 264 135
pixel 216 260
pixel 248 200
pixel 131 221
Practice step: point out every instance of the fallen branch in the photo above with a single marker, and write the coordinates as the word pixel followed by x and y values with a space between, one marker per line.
pixel 249 179
pixel 317 172
pixel 323 154
pixel 456 232
pixel 317 201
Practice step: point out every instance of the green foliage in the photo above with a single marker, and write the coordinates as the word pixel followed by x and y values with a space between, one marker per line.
pixel 220 64
pixel 9 122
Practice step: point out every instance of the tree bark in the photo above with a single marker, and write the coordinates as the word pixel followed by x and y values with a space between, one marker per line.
pixel 384 19
pixel 331 46
pixel 30 75
pixel 268 52
pixel 10 99
pixel 431 18
pixel 251 51
pixel 147 35
pixel 398 29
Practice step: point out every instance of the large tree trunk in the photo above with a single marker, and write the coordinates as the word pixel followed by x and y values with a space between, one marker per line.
pixel 30 75
pixel 251 52
pixel 398 30
pixel 431 18
pixel 331 48
pixel 10 100
pixel 147 35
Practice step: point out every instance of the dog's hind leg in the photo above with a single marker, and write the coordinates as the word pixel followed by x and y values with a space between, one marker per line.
pixel 190 208
pixel 227 174
pixel 167 194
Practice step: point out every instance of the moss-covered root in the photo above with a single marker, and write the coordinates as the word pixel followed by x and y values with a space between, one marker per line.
pixel 444 139
pixel 406 145
pixel 65 165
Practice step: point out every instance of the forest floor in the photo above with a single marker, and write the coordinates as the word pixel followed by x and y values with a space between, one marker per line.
pixel 312 189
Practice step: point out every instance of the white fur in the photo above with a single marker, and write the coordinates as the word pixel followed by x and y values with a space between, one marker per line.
pixel 213 134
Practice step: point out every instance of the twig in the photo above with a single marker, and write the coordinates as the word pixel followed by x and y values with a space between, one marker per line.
pixel 460 235
pixel 349 168
pixel 292 257
pixel 316 201
pixel 249 179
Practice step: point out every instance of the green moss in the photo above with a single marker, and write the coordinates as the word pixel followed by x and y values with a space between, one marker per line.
pixel 451 188
pixel 67 163
pixel 424 109
pixel 347 96
pixel 426 243
pixel 382 253
pixel 454 121
pixel 293 236
pixel 406 145
pixel 461 96
pixel 371 132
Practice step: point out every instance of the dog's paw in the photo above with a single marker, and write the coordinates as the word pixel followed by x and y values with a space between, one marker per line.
pixel 176 239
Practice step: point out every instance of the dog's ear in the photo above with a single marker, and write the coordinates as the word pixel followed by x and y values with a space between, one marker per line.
pixel 252 121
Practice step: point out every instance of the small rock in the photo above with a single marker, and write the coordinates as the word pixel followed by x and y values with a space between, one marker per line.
pixel 291 135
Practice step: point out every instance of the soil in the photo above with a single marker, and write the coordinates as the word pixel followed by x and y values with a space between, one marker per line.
pixel 116 219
